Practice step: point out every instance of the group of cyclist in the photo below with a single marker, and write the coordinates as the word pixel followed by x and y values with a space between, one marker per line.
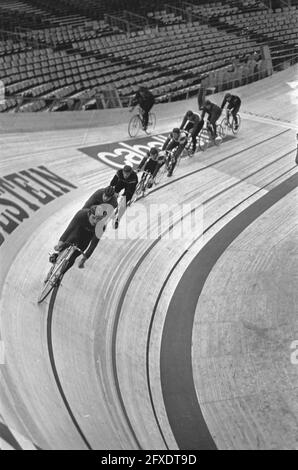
pixel 102 205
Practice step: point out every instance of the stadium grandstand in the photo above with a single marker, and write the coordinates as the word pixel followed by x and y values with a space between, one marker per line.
pixel 73 54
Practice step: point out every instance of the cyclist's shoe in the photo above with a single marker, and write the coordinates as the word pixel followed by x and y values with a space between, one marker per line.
pixel 53 258
pixel 236 126
pixel 116 224
pixel 170 173
pixel 149 185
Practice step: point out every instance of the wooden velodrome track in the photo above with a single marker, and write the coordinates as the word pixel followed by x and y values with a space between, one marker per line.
pixel 158 343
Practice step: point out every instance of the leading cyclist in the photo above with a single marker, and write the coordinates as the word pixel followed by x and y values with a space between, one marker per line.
pixel 80 232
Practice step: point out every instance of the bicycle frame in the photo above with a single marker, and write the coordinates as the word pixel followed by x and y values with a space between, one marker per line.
pixel 57 271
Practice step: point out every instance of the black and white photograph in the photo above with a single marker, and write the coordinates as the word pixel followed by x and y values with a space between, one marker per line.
pixel 148 228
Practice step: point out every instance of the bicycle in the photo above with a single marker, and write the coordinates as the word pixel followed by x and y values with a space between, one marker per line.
pixel 227 124
pixel 136 123
pixel 142 186
pixel 187 151
pixel 57 271
pixel 206 135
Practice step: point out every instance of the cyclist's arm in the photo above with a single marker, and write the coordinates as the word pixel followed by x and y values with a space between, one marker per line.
pixel 92 245
pixel 183 122
pixel 59 245
pixel 166 143
pixel 143 162
pixel 115 180
pixel 224 102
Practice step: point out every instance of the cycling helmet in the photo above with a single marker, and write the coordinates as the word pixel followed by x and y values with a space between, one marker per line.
pixel 207 102
pixel 153 152
pixel 109 191
pixel 176 130
pixel 189 114
pixel 127 169
pixel 228 96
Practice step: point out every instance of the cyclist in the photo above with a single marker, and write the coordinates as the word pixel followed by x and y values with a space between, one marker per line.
pixel 81 232
pixel 192 123
pixel 234 103
pixel 152 162
pixel 104 196
pixel 214 113
pixel 127 179
pixel 145 99
pixel 176 140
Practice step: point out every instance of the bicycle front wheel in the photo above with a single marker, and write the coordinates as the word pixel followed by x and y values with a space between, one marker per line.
pixel 203 139
pixel 138 192
pixel 220 134
pixel 134 125
pixel 224 127
pixel 235 129
pixel 160 175
pixel 151 123
pixel 47 289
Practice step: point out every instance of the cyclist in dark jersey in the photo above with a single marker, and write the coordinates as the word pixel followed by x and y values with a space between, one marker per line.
pixel 145 99
pixel 126 179
pixel 192 123
pixel 213 111
pixel 81 231
pixel 152 162
pixel 175 140
pixel 234 103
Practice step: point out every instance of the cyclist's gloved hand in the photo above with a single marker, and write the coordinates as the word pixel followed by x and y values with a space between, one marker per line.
pixel 59 246
pixel 82 262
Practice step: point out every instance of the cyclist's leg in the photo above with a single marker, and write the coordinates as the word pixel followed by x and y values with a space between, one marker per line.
pixel 176 155
pixel 234 114
pixel 212 123
pixel 72 259
pixel 125 201
pixel 146 110
pixel 189 126
pixel 195 132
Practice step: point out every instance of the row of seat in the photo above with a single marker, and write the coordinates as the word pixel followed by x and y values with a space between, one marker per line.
pixel 166 59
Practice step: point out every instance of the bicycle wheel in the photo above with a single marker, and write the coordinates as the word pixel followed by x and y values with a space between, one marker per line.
pixel 220 135
pixel 138 192
pixel 203 139
pixel 187 149
pixel 235 129
pixel 50 284
pixel 151 123
pixel 160 175
pixel 54 276
pixel 134 125
pixel 224 126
